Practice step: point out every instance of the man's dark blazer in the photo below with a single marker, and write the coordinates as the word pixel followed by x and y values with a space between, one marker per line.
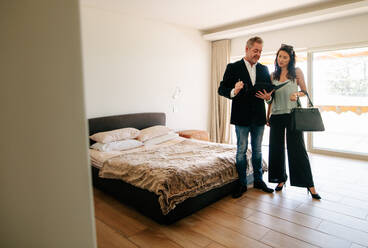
pixel 246 108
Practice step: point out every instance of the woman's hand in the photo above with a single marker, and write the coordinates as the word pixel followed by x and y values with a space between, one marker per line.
pixel 294 96
pixel 264 95
pixel 268 121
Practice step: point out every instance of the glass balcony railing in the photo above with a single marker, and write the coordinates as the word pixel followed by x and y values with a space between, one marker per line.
pixel 346 129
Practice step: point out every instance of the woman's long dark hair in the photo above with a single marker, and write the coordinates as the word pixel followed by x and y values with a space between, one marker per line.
pixel 291 66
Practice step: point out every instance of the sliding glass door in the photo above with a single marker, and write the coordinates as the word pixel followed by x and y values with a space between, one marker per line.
pixel 340 90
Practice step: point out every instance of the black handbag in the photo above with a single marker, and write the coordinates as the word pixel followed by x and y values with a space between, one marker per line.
pixel 306 119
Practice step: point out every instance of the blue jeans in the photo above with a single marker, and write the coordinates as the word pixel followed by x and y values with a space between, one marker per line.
pixel 256 135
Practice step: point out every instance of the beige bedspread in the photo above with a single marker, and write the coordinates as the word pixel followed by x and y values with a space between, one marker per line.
pixel 176 172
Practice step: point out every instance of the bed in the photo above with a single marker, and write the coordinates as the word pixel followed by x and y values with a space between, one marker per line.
pixel 147 202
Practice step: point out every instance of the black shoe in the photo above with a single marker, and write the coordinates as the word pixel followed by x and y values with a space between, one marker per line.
pixel 239 191
pixel 279 188
pixel 261 185
pixel 314 196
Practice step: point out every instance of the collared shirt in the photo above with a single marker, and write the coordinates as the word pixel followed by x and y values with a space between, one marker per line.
pixel 251 70
pixel 252 73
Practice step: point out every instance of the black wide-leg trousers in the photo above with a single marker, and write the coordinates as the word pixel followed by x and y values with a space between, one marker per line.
pixel 299 166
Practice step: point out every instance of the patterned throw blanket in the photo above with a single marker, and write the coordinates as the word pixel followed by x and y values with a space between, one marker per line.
pixel 176 172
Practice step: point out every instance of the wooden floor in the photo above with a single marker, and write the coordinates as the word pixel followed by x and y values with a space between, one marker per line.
pixel 286 219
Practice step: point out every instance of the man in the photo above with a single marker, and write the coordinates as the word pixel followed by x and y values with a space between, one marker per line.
pixel 248 112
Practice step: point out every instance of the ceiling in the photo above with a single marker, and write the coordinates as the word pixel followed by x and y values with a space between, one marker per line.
pixel 211 15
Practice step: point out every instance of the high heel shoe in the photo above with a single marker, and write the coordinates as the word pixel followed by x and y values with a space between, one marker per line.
pixel 279 188
pixel 314 196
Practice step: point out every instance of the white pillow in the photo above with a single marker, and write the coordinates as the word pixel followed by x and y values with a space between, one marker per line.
pixel 161 139
pixel 152 132
pixel 115 135
pixel 117 145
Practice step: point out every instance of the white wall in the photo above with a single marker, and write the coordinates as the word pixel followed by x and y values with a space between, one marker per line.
pixel 133 64
pixel 323 34
pixel 45 193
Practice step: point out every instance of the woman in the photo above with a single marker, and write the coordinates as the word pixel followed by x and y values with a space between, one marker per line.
pixel 284 99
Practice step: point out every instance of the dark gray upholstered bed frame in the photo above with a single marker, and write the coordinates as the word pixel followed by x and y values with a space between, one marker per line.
pixel 144 201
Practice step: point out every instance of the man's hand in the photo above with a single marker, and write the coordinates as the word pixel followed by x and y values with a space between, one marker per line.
pixel 264 95
pixel 238 86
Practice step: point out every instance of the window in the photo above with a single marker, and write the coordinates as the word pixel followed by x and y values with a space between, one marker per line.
pixel 340 90
pixel 301 61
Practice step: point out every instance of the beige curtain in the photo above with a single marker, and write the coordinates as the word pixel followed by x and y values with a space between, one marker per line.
pixel 220 121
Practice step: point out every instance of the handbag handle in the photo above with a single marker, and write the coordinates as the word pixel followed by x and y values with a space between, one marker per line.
pixel 310 104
